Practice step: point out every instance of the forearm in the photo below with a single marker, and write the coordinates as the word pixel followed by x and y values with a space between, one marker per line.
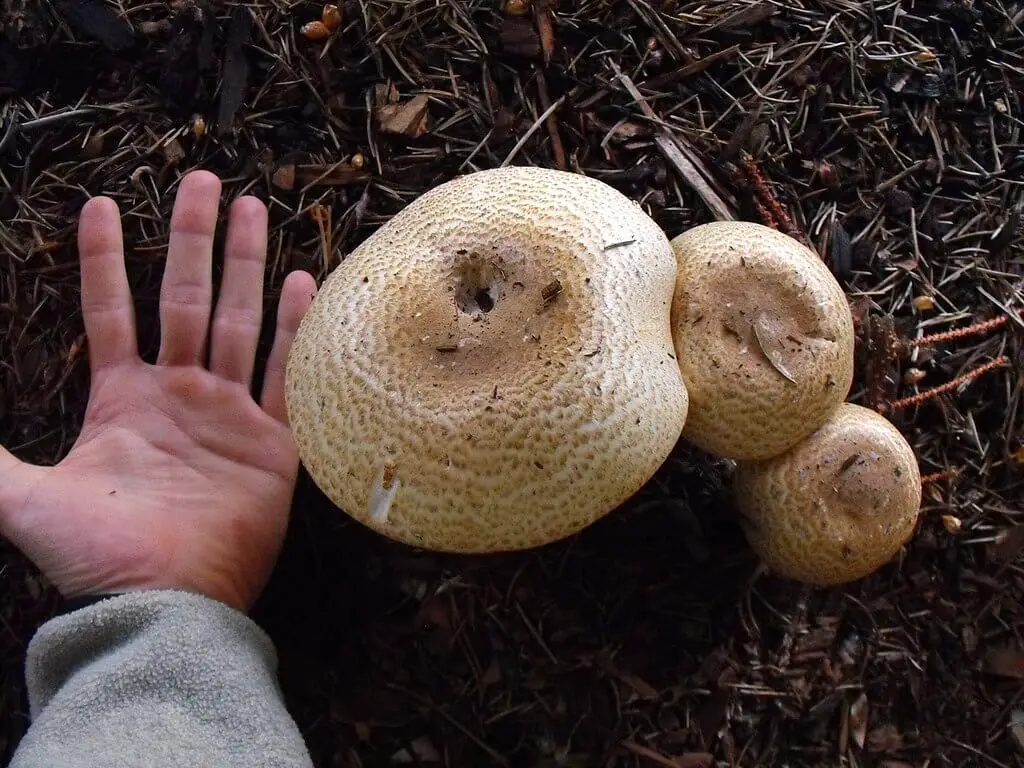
pixel 156 679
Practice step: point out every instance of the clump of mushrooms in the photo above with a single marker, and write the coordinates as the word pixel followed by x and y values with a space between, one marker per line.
pixel 517 352
pixel 493 369
pixel 828 491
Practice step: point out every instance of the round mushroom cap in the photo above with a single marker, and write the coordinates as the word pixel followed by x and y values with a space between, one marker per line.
pixel 492 369
pixel 838 506
pixel 764 336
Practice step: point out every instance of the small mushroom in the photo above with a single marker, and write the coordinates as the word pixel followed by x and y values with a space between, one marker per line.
pixel 764 336
pixel 838 506
pixel 443 394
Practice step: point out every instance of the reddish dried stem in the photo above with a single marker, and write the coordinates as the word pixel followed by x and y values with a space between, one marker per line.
pixel 959 333
pixel 935 476
pixel 765 214
pixel 776 215
pixel 928 394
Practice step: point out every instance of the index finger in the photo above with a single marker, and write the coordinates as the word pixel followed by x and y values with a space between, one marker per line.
pixel 107 309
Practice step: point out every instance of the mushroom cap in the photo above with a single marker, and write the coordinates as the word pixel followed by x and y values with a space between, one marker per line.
pixel 492 369
pixel 836 507
pixel 764 337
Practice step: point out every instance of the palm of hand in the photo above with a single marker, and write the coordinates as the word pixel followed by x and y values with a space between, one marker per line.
pixel 179 478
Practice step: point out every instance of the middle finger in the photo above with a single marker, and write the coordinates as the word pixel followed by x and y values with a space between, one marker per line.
pixel 239 313
pixel 187 287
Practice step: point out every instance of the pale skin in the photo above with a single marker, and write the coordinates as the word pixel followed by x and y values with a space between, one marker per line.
pixel 180 478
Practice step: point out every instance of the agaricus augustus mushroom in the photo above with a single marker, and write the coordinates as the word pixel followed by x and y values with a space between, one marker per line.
pixel 764 336
pixel 492 369
pixel 836 507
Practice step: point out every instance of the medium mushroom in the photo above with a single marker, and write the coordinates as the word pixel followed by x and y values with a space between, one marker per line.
pixel 764 337
pixel 493 369
pixel 836 507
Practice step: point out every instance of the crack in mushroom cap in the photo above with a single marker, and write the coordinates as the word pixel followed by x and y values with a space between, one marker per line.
pixel 838 506
pixel 493 369
pixel 764 336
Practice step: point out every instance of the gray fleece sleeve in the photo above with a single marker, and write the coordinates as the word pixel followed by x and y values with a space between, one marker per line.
pixel 156 679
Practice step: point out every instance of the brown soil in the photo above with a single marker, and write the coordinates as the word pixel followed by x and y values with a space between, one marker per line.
pixel 886 134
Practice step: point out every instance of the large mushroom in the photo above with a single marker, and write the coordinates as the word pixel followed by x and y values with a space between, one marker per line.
pixel 493 369
pixel 764 336
pixel 836 507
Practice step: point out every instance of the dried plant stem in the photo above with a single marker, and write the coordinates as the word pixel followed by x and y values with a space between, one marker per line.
pixel 928 394
pixel 671 148
pixel 767 204
pixel 941 475
pixel 959 333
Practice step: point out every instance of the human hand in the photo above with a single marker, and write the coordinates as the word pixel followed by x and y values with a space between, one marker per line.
pixel 179 478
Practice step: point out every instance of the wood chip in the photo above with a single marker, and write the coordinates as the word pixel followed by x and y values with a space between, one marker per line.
pixel 885 738
pixel 421 750
pixel 859 720
pixel 688 760
pixel 1017 729
pixel 519 37
pixel 642 688
pixel 408 118
pixel 173 152
pixel 288 176
pixel 97 20
pixel 545 28
pixel 1005 662
pixel 696 760
pixel 235 69
pixel 1009 544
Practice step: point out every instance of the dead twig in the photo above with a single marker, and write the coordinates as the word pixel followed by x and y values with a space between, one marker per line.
pixel 672 151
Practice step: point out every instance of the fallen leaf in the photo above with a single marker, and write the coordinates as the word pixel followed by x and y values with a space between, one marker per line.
pixel 768 341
